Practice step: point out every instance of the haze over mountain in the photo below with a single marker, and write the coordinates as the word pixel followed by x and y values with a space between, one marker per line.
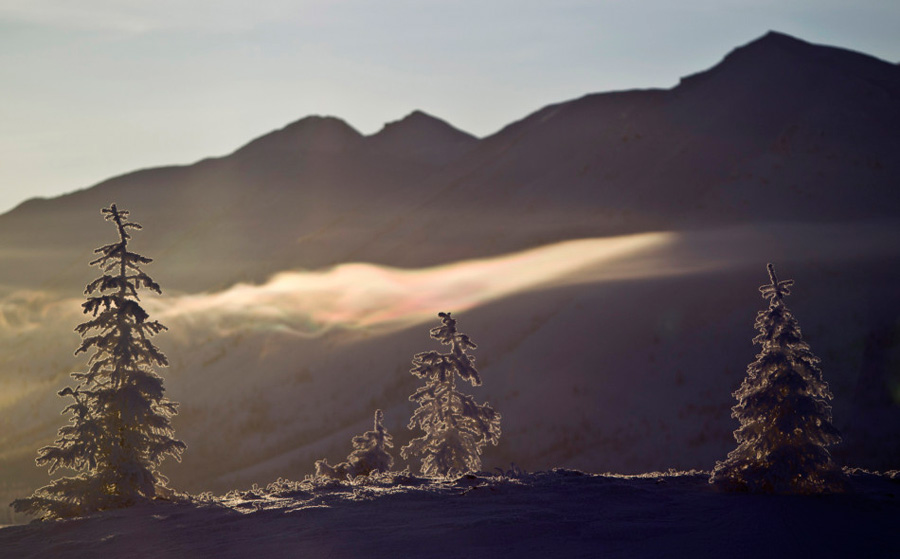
pixel 617 353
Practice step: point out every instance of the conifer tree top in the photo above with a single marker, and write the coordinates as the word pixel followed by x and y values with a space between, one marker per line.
pixel 444 365
pixel 112 213
pixel 775 290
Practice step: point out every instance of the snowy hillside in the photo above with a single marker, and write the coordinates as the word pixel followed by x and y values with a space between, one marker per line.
pixel 592 360
pixel 562 513
pixel 604 253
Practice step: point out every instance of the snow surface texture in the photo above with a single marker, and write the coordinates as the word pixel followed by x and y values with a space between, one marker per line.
pixel 562 513
pixel 784 412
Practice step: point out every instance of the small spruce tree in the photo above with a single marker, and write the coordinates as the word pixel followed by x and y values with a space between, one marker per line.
pixel 119 430
pixel 783 409
pixel 369 454
pixel 456 428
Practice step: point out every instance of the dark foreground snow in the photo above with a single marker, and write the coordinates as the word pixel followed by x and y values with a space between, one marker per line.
pixel 552 514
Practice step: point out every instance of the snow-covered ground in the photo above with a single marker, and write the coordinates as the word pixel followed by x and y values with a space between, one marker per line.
pixel 562 513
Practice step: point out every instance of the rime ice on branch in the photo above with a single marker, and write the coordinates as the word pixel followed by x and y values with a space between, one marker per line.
pixel 456 428
pixel 369 454
pixel 783 410
pixel 119 430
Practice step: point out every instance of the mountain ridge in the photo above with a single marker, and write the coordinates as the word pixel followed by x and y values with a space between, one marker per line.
pixel 714 150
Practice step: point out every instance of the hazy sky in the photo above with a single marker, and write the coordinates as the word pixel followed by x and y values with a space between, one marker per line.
pixel 96 88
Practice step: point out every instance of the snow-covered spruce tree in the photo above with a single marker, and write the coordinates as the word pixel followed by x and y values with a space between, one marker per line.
pixel 369 454
pixel 456 428
pixel 119 430
pixel 784 412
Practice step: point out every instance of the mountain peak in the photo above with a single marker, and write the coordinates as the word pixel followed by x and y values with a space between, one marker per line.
pixel 781 57
pixel 777 39
pixel 312 133
pixel 420 115
pixel 423 135
pixel 420 124
pixel 771 45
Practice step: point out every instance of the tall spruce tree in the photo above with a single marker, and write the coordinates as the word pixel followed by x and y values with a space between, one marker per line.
pixel 369 454
pixel 783 409
pixel 456 428
pixel 119 430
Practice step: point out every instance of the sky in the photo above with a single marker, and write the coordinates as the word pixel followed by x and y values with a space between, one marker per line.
pixel 98 88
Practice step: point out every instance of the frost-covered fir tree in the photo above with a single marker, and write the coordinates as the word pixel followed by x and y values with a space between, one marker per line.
pixel 119 430
pixel 783 409
pixel 369 454
pixel 456 428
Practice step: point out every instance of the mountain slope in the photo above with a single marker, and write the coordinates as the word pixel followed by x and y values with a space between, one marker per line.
pixel 779 130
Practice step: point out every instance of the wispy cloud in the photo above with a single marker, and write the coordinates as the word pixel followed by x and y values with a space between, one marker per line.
pixel 372 297
pixel 380 299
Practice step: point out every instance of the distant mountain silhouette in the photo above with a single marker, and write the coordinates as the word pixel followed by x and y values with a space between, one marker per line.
pixel 815 129
pixel 780 130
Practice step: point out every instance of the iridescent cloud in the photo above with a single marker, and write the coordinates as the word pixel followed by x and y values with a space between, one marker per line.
pixel 373 297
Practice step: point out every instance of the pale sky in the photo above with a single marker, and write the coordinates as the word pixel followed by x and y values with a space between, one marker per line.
pixel 96 88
